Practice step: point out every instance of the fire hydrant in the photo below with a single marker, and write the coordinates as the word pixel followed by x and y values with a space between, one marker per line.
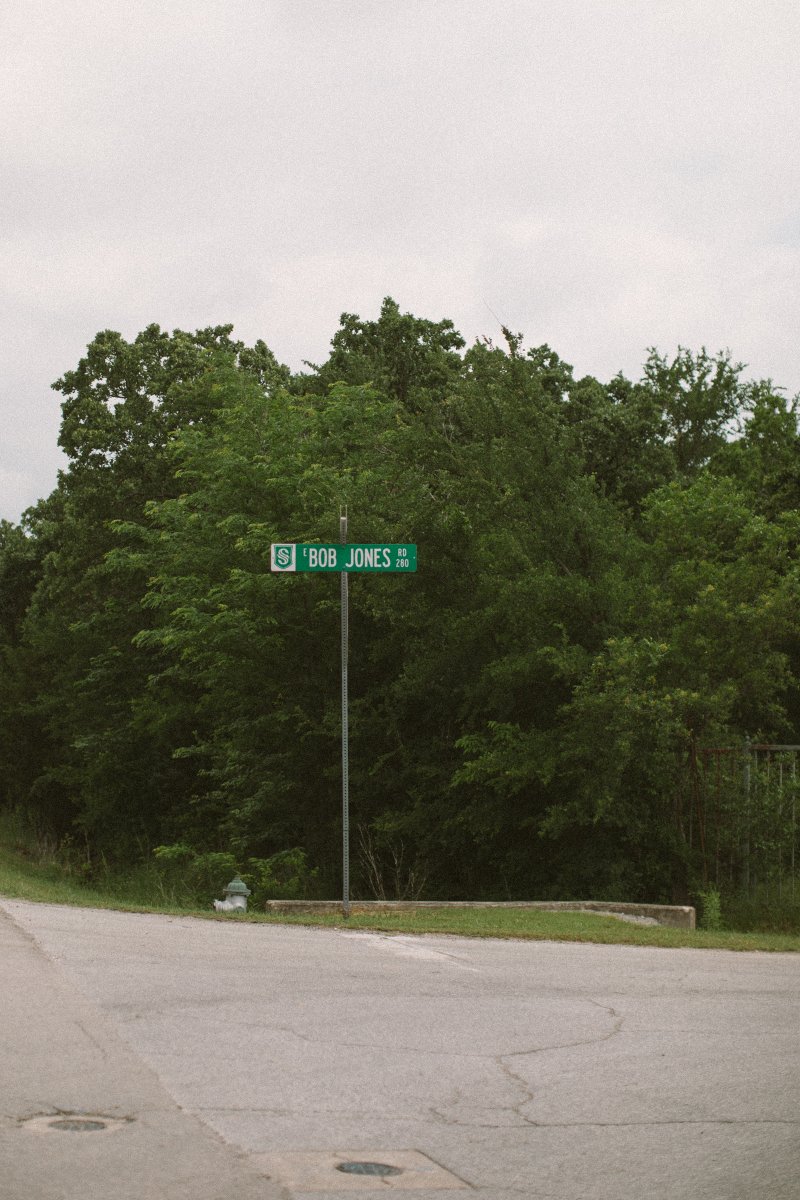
pixel 236 894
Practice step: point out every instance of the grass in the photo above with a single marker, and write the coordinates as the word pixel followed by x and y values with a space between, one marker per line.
pixel 24 879
pixel 49 883
pixel 534 924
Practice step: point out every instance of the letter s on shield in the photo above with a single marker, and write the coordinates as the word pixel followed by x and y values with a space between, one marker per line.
pixel 283 557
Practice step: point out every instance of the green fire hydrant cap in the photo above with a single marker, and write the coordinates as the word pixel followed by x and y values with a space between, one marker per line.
pixel 237 887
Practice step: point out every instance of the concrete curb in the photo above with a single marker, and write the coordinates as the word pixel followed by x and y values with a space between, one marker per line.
pixel 673 915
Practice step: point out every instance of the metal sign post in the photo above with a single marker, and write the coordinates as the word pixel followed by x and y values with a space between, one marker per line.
pixel 343 576
pixel 384 558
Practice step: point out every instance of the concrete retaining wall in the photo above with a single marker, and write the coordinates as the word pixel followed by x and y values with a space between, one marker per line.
pixel 678 916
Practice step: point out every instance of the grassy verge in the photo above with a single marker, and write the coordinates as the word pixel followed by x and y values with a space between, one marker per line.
pixel 21 878
pixel 533 924
pixel 48 883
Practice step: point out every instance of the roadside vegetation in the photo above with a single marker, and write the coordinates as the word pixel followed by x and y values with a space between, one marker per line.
pixel 590 688
pixel 559 927
pixel 146 891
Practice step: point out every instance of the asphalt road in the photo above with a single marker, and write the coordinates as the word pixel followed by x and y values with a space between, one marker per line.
pixel 499 1069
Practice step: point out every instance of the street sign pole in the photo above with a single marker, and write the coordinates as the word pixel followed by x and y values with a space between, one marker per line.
pixel 343 575
pixel 380 557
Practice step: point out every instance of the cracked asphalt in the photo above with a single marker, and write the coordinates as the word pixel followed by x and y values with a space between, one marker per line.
pixel 537 1069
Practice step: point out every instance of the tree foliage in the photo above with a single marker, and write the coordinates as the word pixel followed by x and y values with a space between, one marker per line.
pixel 607 581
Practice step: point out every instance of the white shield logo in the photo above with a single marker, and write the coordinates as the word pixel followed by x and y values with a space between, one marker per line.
pixel 283 557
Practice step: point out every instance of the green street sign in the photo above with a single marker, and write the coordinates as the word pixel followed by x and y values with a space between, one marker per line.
pixel 311 556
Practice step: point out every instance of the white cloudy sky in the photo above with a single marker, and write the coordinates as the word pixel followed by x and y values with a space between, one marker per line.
pixel 603 175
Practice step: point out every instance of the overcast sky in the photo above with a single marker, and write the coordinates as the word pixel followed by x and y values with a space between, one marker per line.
pixel 601 175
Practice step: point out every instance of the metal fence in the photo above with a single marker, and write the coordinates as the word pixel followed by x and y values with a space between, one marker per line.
pixel 739 816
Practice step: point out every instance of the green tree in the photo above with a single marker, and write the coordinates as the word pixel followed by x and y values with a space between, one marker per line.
pixel 408 358
pixel 701 399
pixel 253 658
pixel 97 765
pixel 704 663
pixel 607 582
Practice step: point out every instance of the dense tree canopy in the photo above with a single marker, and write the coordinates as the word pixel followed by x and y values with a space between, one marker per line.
pixel 607 584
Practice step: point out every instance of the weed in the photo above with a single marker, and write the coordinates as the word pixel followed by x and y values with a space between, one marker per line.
pixel 710 910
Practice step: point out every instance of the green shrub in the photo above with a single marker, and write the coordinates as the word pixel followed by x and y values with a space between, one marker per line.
pixel 201 876
pixel 710 909
pixel 764 911
pixel 283 876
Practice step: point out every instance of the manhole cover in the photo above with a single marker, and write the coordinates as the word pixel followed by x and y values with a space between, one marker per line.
pixel 368 1168
pixel 74 1122
pixel 76 1125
